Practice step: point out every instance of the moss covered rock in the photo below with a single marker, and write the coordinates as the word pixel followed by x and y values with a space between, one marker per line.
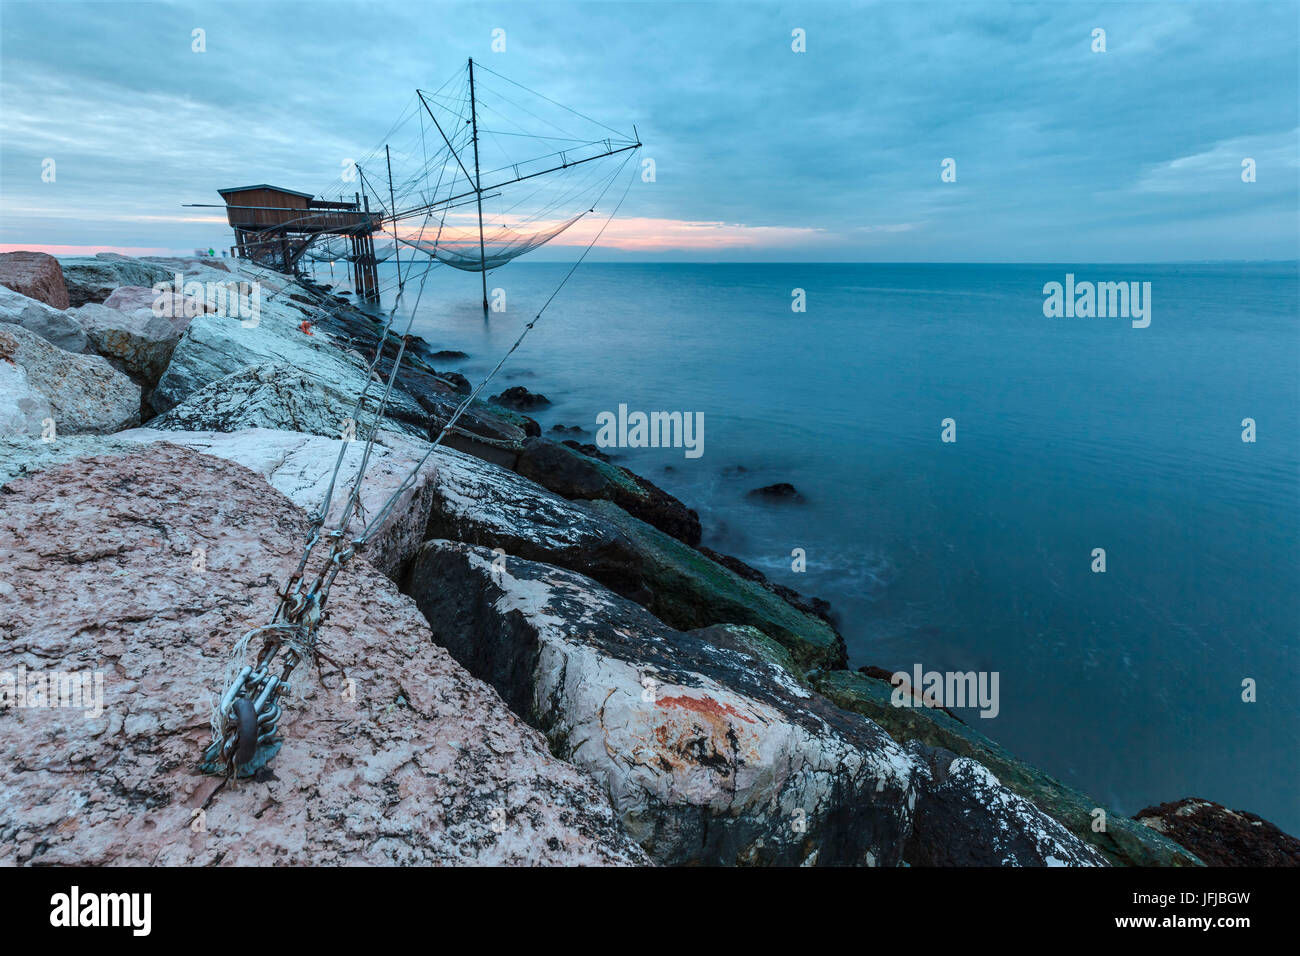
pixel 691 591
pixel 1124 842
pixel 571 474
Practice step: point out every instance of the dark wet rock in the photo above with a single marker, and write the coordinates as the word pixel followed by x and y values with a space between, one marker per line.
pixel 965 817
pixel 691 591
pixel 569 472
pixel 353 328
pixel 781 491
pixel 711 753
pixel 569 429
pixel 459 382
pixel 588 449
pixel 809 605
pixel 448 355
pixel 1124 842
pixel 480 503
pixel 520 399
pixel 486 431
pixel 1222 837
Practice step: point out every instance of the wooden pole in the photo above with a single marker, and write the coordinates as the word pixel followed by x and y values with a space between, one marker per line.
pixel 478 189
pixel 392 207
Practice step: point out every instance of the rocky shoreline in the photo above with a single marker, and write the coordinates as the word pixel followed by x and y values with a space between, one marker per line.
pixel 534 661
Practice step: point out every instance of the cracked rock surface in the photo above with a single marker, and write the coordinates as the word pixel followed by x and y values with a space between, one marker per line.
pixel 417 763
pixel 710 750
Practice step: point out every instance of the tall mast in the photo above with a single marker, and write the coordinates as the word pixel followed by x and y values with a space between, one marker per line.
pixel 478 188
pixel 392 210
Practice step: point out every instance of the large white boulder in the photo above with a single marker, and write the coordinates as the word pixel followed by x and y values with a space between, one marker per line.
pixel 710 750
pixel 215 346
pixel 300 467
pixel 54 325
pixel 22 408
pixel 278 395
pixel 85 393
pixel 137 339
pixel 93 278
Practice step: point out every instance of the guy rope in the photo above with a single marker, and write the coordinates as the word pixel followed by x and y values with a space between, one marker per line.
pixel 246 719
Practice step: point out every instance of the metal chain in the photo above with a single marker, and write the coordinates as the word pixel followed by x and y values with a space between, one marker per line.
pixel 253 696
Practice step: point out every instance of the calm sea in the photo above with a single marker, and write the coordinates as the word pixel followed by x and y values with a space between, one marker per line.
pixel 1071 435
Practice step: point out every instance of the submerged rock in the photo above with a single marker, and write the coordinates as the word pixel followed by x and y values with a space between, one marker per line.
pixel 781 491
pixel 399 758
pixel 84 392
pixel 568 472
pixel 56 327
pixel 520 399
pixel 35 275
pixel 1222 837
pixel 710 751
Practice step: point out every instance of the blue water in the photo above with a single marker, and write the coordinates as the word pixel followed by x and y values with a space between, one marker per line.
pixel 1072 434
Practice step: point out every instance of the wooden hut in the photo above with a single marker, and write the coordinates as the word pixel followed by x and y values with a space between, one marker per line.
pixel 274 226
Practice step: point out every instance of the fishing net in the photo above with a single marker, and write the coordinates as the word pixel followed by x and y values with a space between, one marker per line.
pixel 460 248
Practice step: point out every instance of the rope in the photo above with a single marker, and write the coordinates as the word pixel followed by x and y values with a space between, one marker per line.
pixel 299 616
pixel 410 478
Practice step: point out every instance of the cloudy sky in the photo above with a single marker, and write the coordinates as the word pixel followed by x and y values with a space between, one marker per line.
pixel 761 153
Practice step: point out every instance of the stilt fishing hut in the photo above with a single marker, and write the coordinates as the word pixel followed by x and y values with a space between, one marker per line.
pixel 275 226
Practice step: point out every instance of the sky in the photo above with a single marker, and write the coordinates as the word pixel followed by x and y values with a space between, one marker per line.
pixel 1061 153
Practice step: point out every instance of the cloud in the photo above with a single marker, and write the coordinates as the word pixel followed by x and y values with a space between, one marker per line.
pixel 1061 153
pixel 1276 155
